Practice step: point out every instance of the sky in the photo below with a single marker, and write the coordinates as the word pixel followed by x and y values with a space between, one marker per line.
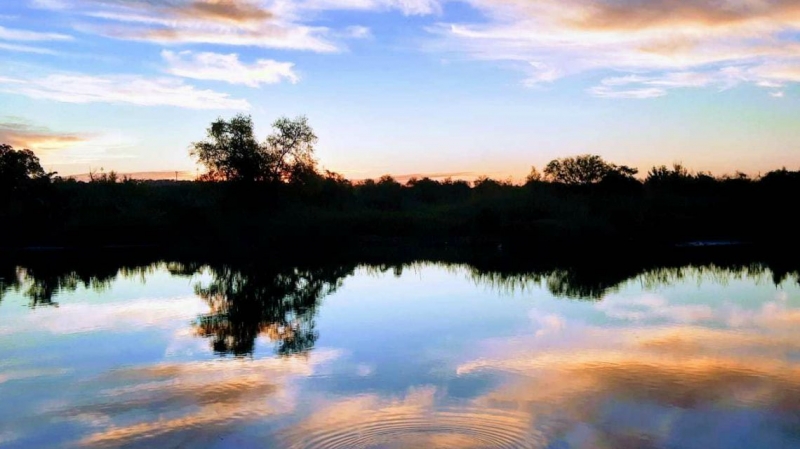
pixel 457 88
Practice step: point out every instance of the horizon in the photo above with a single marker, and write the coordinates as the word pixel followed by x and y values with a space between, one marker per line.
pixel 406 87
pixel 187 175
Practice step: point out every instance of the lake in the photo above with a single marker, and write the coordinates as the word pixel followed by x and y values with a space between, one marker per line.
pixel 431 354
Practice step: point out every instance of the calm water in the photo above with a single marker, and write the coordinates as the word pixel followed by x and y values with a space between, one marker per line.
pixel 420 355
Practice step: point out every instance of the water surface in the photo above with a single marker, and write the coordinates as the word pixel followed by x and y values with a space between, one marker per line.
pixel 416 355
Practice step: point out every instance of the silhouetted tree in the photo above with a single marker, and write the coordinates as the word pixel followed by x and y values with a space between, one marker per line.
pixel 662 176
pixel 290 149
pixel 106 178
pixel 232 153
pixel 533 176
pixel 19 167
pixel 585 169
pixel 782 180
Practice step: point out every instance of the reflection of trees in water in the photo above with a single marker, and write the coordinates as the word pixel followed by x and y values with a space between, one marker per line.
pixel 246 301
pixel 593 281
pixel 41 283
pixel 279 304
pixel 8 279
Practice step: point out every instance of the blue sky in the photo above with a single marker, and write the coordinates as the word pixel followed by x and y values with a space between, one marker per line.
pixel 461 87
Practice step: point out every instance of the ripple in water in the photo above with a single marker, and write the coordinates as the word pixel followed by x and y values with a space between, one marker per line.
pixel 453 427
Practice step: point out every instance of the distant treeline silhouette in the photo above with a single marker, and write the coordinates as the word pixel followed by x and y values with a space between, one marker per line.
pixel 278 299
pixel 263 194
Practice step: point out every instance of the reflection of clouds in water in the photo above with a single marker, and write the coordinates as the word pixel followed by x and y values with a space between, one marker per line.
pixel 88 317
pixel 365 370
pixel 547 324
pixel 653 307
pixel 639 388
pixel 7 437
pixel 188 403
pixel 10 373
pixel 773 315
pixel 184 343
pixel 414 420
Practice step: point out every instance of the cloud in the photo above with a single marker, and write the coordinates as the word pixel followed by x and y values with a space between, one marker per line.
pixel 415 419
pixel 203 400
pixel 659 14
pixel 10 34
pixel 75 318
pixel 120 89
pixel 279 24
pixel 16 35
pixel 591 388
pixel 21 134
pixel 235 11
pixel 407 7
pixel 358 32
pixel 59 150
pixel 638 93
pixel 224 22
pixel 651 86
pixel 677 364
pixel 26 49
pixel 228 68
pixel 653 307
pixel 553 39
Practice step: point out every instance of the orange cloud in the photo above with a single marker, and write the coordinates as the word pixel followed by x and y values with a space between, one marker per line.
pixel 237 11
pixel 643 14
pixel 229 22
pixel 414 420
pixel 552 39
pixel 667 370
pixel 197 399
pixel 24 135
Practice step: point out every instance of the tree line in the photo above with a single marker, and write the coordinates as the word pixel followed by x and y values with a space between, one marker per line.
pixel 272 191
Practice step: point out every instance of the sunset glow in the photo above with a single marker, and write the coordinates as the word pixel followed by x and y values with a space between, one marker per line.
pixel 441 88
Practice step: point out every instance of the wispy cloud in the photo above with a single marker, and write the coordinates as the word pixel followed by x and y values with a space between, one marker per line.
pixel 225 22
pixel 228 68
pixel 10 34
pixel 407 7
pixel 207 398
pixel 552 39
pixel 66 149
pixel 120 89
pixel 26 49
pixel 22 134
pixel 643 87
pixel 283 24
pixel 357 32
pixel 14 36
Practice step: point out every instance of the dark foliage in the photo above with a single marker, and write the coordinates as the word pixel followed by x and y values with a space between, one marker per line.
pixel 232 153
pixel 271 194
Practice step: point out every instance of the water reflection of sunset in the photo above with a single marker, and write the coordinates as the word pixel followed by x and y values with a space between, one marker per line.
pixel 180 403
pixel 400 355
